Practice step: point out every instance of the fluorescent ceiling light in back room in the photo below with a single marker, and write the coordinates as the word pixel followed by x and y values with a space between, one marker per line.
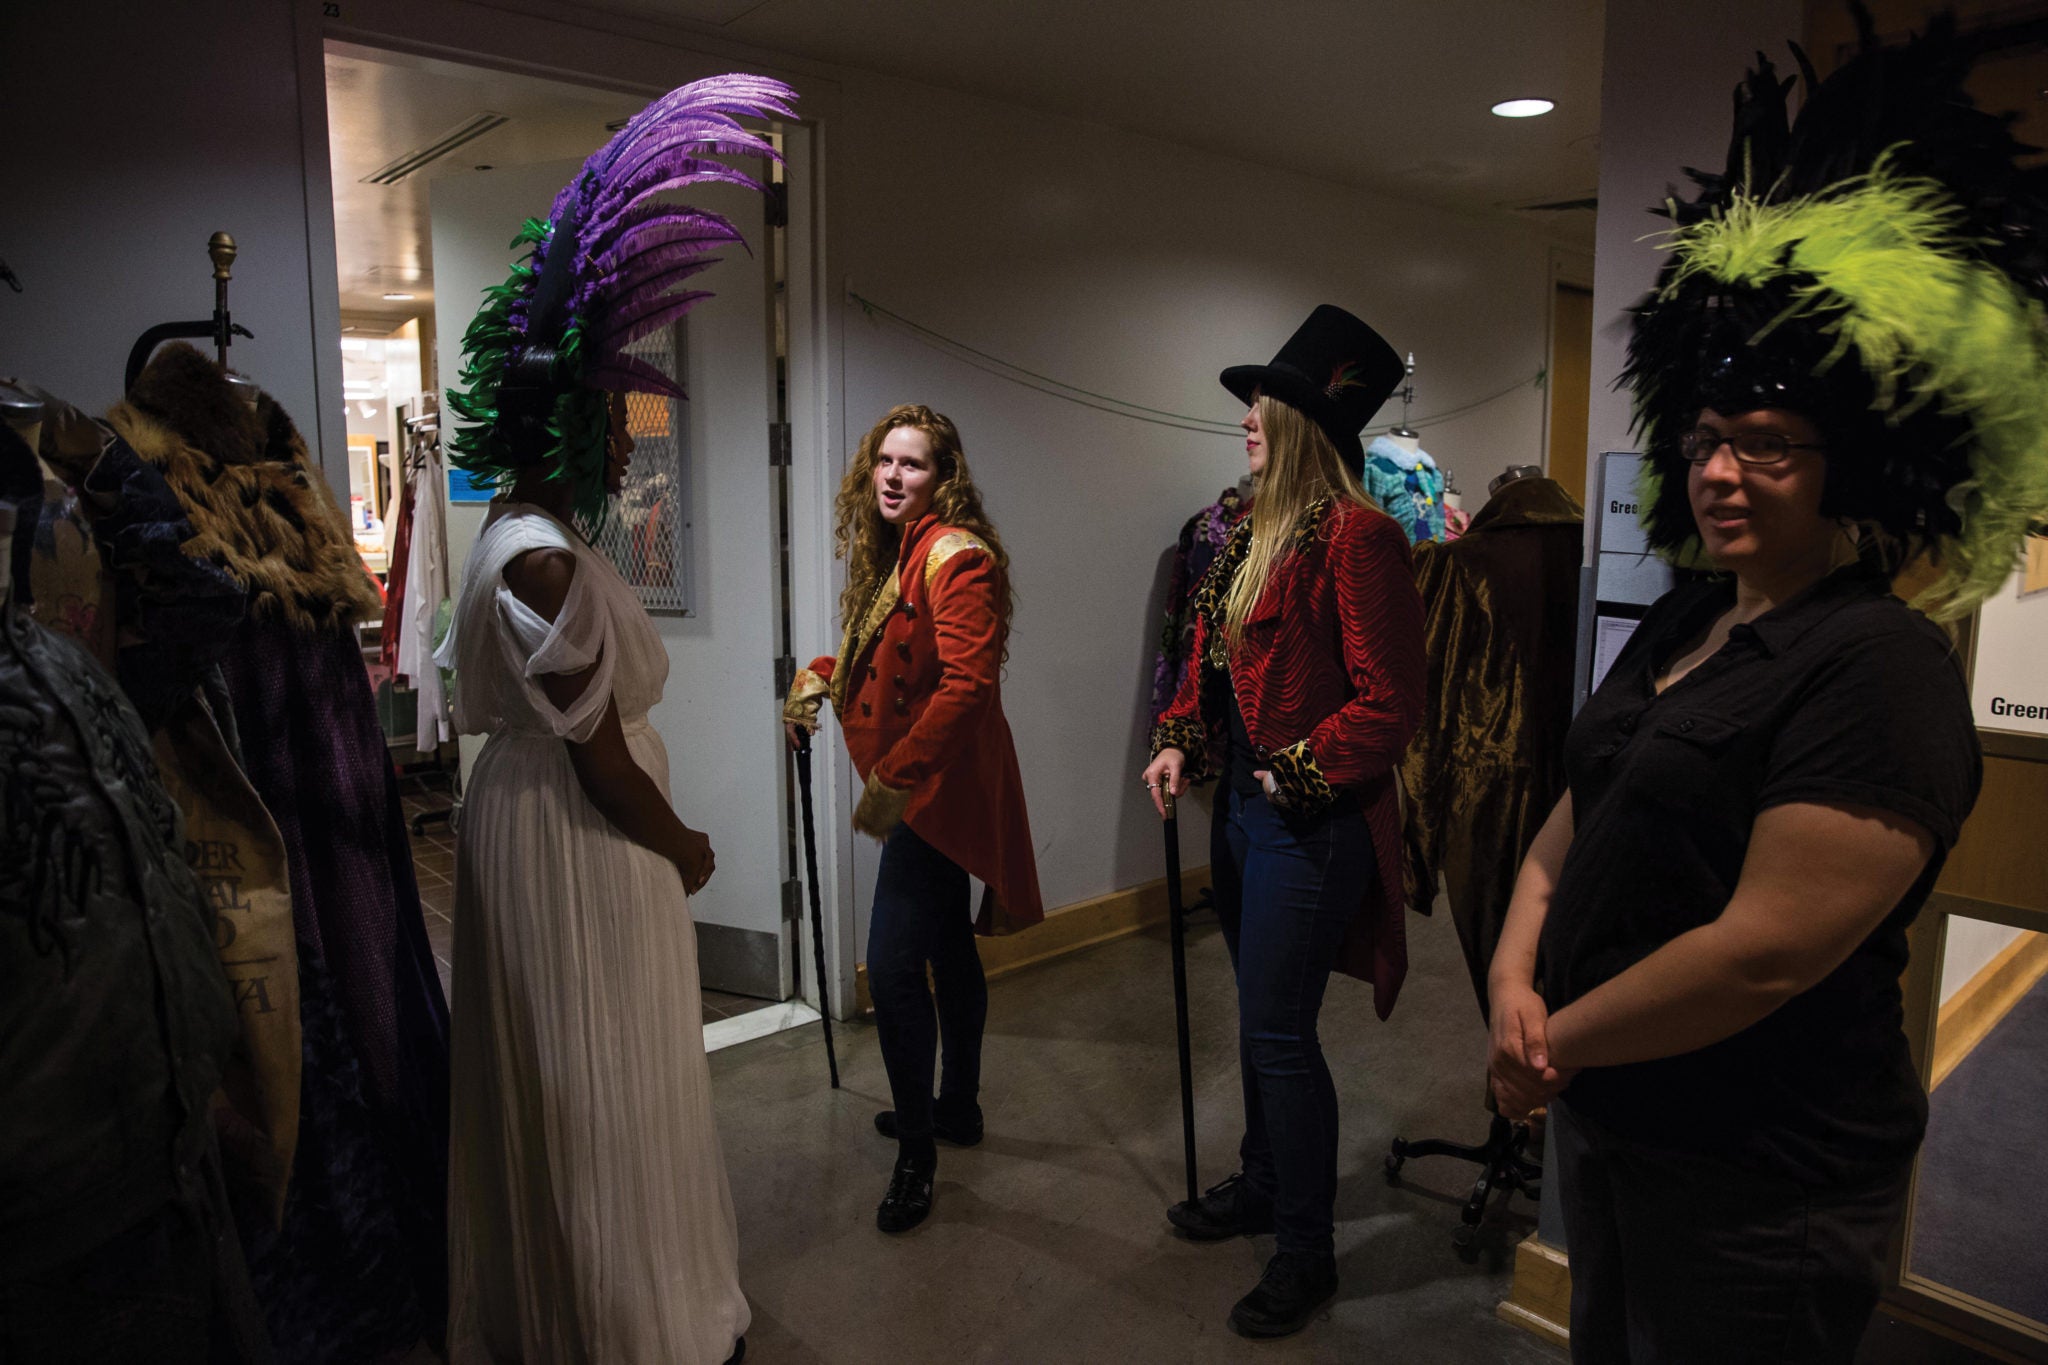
pixel 1523 108
pixel 398 298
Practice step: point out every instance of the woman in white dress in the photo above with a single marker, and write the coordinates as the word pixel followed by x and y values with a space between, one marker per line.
pixel 590 1221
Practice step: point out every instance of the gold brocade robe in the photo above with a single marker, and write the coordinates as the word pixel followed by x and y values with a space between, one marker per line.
pixel 1500 610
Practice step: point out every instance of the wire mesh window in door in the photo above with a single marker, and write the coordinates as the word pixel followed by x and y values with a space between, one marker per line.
pixel 647 534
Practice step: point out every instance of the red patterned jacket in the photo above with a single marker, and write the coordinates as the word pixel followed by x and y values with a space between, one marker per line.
pixel 917 687
pixel 1329 677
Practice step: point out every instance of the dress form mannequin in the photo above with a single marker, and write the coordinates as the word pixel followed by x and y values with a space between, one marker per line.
pixel 1511 474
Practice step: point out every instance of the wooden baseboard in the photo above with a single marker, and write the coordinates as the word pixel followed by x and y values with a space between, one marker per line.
pixel 1539 1297
pixel 1070 929
pixel 1968 1016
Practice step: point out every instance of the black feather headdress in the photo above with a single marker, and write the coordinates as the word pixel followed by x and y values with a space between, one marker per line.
pixel 1875 263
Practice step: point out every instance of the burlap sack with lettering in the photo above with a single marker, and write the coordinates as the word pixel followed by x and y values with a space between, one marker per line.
pixel 235 851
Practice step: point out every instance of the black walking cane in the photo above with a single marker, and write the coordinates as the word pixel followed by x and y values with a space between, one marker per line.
pixel 1177 925
pixel 803 783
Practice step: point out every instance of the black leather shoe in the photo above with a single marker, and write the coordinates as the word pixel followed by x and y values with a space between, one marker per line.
pixel 957 1124
pixel 1295 1285
pixel 1231 1209
pixel 909 1198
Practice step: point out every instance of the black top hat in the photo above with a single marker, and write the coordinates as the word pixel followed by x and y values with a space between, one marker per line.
pixel 1335 369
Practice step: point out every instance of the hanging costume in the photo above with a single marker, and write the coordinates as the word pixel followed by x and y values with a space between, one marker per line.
pixel 1201 540
pixel 358 1267
pixel 1500 613
pixel 1408 487
pixel 170 620
pixel 591 1219
pixel 425 594
pixel 115 1238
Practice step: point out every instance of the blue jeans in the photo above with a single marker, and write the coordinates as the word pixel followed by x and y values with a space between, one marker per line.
pixel 1286 890
pixel 921 916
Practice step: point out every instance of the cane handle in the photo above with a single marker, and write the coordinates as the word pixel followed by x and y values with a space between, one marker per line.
pixel 1166 798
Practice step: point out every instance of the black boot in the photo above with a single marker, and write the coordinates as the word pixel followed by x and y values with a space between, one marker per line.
pixel 1295 1285
pixel 1231 1209
pixel 909 1198
pixel 954 1122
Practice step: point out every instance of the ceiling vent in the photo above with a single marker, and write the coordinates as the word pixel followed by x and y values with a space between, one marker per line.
pixel 467 131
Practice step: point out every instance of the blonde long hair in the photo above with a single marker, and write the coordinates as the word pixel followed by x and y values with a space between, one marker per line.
pixel 870 545
pixel 1302 465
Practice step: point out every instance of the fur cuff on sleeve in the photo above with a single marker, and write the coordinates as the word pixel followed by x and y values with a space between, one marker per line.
pixel 1302 787
pixel 806 695
pixel 1191 739
pixel 881 808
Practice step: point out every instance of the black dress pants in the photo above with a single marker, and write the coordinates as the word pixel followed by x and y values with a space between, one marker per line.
pixel 1678 1257
pixel 922 916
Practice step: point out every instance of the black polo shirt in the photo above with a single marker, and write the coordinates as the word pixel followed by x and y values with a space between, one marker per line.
pixel 1843 695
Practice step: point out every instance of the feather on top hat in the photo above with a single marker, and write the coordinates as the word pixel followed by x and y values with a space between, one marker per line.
pixel 1334 368
pixel 1877 265
pixel 604 269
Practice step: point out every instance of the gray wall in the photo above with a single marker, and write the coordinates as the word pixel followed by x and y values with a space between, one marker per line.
pixel 134 132
pixel 1137 269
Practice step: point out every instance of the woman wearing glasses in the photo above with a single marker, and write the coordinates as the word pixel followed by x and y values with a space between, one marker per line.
pixel 1765 786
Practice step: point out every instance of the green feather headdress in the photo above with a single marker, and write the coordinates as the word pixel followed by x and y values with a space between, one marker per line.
pixel 1877 266
pixel 576 425
pixel 602 270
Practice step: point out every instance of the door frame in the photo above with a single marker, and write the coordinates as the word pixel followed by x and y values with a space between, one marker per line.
pixel 638 57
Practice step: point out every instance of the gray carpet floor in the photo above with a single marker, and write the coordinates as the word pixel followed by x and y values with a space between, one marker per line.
pixel 1977 1225
pixel 1047 1242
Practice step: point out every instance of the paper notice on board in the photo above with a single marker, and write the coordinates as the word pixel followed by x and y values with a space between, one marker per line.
pixel 2009 668
pixel 1610 633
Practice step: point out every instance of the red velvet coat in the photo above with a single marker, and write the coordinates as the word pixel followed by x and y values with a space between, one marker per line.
pixel 1329 677
pixel 917 688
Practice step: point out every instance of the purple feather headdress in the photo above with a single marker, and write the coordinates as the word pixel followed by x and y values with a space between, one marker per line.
pixel 607 267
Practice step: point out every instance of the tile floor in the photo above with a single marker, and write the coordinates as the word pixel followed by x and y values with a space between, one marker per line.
pixel 433 854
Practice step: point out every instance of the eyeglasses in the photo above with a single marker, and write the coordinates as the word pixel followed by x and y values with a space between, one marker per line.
pixel 1751 447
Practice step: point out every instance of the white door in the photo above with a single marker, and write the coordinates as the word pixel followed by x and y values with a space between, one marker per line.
pixel 719 716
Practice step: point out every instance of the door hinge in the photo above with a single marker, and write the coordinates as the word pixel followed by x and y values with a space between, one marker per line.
pixel 785 675
pixel 792 901
pixel 778 444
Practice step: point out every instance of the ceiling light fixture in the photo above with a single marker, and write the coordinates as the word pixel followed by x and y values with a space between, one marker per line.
pixel 399 298
pixel 1523 108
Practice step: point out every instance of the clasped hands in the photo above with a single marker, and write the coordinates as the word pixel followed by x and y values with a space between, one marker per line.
pixel 1518 1062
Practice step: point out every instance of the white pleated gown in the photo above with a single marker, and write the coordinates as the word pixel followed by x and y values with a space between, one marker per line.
pixel 589 1216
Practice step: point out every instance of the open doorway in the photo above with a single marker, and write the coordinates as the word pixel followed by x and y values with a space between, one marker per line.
pixel 435 164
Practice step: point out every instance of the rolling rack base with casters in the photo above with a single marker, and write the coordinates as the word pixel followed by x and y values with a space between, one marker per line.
pixel 1504 1166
